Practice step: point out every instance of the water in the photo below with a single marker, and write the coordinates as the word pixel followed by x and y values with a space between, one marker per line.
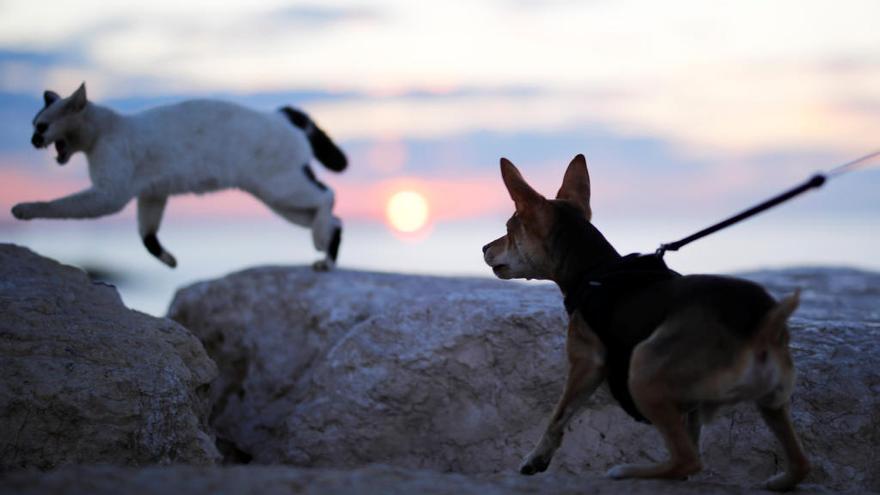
pixel 207 249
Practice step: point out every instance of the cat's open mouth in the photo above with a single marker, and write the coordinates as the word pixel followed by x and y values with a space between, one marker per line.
pixel 63 152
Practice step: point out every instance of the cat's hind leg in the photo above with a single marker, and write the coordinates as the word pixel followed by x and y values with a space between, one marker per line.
pixel 150 209
pixel 308 203
pixel 327 236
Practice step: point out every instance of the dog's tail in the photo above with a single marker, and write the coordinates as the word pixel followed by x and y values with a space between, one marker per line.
pixel 323 147
pixel 773 329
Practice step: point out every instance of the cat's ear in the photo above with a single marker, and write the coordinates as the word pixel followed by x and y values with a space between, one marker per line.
pixel 50 97
pixel 78 99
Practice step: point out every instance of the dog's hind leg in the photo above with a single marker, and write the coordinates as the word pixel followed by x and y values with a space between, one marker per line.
pixel 775 405
pixel 655 400
pixel 150 209
pixel 585 372
pixel 694 426
pixel 779 421
pixel 670 422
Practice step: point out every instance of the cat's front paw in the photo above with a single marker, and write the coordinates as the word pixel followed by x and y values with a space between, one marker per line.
pixel 25 211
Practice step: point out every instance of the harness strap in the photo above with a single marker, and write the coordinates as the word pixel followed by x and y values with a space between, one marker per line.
pixel 598 297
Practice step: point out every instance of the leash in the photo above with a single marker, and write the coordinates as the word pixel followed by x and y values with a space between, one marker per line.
pixel 813 182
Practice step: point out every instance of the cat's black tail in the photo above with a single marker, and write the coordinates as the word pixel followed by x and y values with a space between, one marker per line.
pixel 323 147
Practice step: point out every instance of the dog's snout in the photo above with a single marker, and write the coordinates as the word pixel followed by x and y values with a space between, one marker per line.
pixel 37 140
pixel 42 127
pixel 485 248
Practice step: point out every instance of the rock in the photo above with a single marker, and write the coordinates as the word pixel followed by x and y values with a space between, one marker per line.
pixel 347 369
pixel 86 380
pixel 370 480
pixel 836 406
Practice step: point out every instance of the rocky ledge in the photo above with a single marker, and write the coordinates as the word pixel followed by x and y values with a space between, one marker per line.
pixel 346 369
pixel 377 383
pixel 86 380
pixel 368 480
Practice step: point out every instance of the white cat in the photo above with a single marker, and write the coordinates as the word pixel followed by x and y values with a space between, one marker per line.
pixel 195 146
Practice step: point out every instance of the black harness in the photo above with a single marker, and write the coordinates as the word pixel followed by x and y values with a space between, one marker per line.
pixel 598 299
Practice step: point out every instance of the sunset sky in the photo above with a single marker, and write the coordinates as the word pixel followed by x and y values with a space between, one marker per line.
pixel 686 110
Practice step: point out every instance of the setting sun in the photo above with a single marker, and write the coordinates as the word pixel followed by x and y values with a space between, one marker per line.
pixel 407 211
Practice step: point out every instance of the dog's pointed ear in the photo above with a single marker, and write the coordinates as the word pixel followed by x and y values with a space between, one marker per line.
pixel 520 191
pixel 787 306
pixel 78 99
pixel 50 97
pixel 576 185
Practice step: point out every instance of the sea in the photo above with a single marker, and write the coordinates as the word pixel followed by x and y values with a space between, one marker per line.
pixel 111 251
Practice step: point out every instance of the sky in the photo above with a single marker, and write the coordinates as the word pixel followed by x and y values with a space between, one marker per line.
pixel 687 111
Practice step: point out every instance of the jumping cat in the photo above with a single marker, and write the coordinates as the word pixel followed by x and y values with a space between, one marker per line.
pixel 195 146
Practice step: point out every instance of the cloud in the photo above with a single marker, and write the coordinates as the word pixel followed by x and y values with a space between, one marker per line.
pixel 457 147
pixel 849 64
pixel 16 112
pixel 479 151
pixel 33 58
pixel 323 15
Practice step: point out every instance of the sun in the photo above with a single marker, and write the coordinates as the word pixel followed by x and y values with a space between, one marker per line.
pixel 407 211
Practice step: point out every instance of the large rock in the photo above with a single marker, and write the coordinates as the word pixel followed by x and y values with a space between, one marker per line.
pixel 85 379
pixel 346 369
pixel 370 480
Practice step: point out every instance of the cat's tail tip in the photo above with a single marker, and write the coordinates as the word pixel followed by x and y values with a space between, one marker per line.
pixel 323 147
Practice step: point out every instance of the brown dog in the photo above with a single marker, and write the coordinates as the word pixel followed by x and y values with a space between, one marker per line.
pixel 673 348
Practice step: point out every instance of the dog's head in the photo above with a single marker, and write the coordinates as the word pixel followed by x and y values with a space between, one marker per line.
pixel 533 246
pixel 61 122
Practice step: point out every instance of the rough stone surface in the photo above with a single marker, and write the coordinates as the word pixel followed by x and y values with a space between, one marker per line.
pixel 347 369
pixel 86 380
pixel 370 480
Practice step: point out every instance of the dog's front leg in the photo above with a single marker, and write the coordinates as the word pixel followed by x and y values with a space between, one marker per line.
pixel 585 372
pixel 90 203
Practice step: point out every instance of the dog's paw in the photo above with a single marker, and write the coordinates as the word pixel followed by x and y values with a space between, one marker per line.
pixel 679 471
pixel 782 482
pixel 323 265
pixel 534 465
pixel 621 471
